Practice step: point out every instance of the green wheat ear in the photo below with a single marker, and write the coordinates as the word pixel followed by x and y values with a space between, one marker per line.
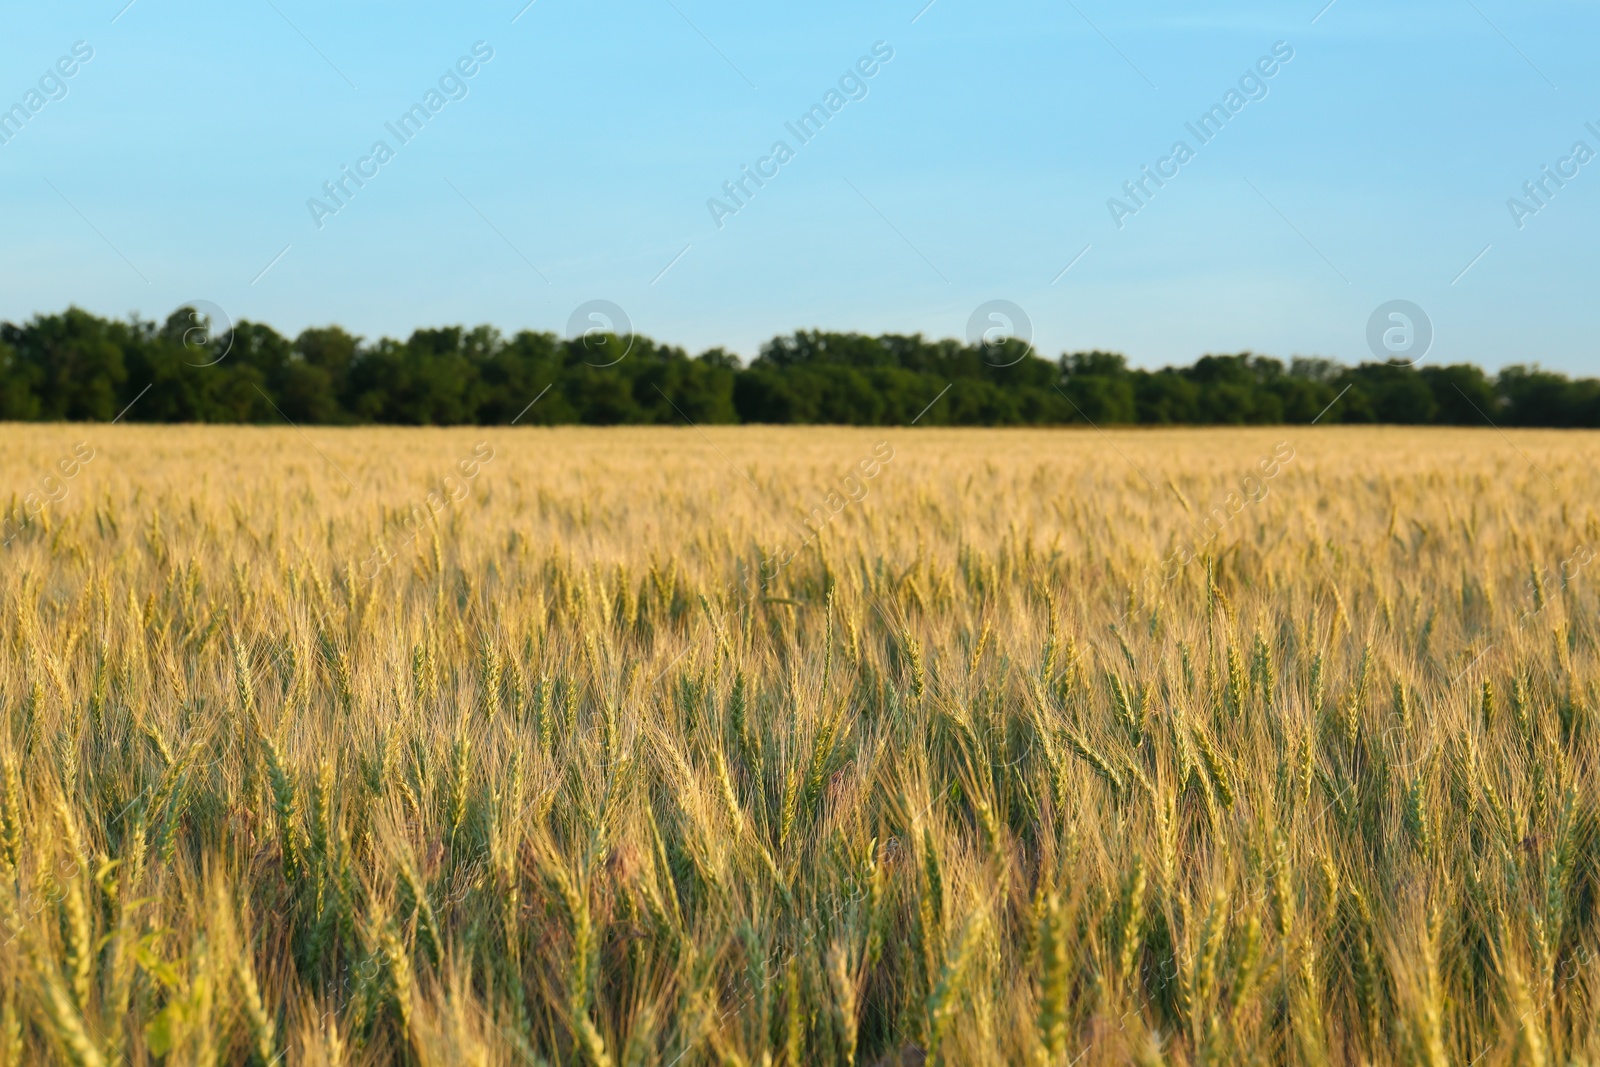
pixel 12 816
pixel 489 668
pixel 945 1001
pixel 1054 992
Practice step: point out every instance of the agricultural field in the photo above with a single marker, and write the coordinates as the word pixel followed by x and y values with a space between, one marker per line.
pixel 799 746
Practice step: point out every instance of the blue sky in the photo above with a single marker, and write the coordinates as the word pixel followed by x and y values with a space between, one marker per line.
pixel 179 163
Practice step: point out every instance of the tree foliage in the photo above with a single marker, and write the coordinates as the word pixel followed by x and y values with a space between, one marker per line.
pixel 76 366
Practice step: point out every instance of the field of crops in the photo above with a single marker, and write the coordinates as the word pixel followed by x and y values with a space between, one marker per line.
pixel 782 746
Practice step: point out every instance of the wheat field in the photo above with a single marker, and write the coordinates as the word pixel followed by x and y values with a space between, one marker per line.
pixel 783 746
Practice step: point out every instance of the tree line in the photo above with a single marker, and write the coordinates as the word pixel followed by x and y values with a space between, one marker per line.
pixel 77 366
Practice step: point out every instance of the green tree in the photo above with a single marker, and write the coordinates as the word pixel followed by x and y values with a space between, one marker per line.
pixel 76 363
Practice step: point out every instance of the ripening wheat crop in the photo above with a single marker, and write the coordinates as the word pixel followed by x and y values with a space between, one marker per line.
pixel 800 746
